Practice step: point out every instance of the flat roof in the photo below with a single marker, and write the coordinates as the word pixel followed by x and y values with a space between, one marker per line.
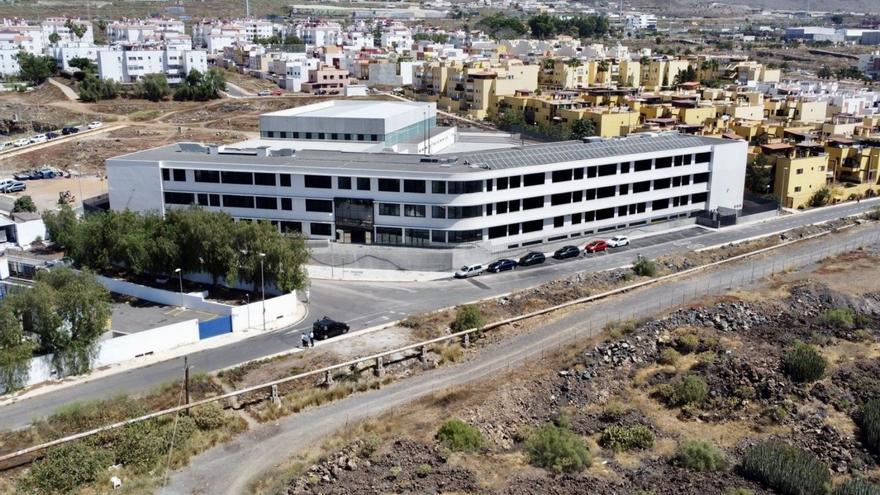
pixel 451 163
pixel 353 109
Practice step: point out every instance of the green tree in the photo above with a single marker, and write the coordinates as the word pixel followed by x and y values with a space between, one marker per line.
pixel 24 203
pixel 759 175
pixel 61 226
pixel 500 26
pixel 825 73
pixel 153 87
pixel 83 64
pixel 282 260
pixel 467 317
pixel 207 242
pixel 820 197
pixel 35 68
pixel 78 29
pixel 683 76
pixel 200 87
pixel 92 89
pixel 582 128
pixel 54 38
pixel 557 449
pixel 16 351
pixel 542 26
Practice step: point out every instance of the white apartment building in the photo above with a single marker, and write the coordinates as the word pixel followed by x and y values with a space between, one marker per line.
pixel 320 34
pixel 128 66
pixel 397 37
pixel 142 30
pixel 57 25
pixel 384 173
pixel 14 40
pixel 640 22
pixel 65 52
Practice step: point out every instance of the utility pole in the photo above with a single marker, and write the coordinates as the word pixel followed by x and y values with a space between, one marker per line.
pixel 263 289
pixel 186 377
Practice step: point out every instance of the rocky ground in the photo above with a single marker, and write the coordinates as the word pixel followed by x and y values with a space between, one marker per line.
pixel 735 344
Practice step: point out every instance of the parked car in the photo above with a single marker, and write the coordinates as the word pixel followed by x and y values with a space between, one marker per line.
pixel 533 258
pixel 23 175
pixel 501 265
pixel 264 92
pixel 5 183
pixel 595 247
pixel 48 173
pixel 618 241
pixel 326 328
pixel 16 186
pixel 39 138
pixel 469 271
pixel 566 252
pixel 51 135
pixel 69 130
pixel 94 125
pixel 18 143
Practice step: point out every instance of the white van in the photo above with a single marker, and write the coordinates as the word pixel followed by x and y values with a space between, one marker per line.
pixel 469 271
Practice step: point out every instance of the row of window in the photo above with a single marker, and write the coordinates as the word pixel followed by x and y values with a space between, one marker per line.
pixel 243 201
pixel 217 177
pixel 333 136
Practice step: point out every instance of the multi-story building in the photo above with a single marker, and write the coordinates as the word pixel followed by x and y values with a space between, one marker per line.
pixel 142 30
pixel 127 66
pixel 640 22
pixel 62 27
pixel 326 80
pixel 384 173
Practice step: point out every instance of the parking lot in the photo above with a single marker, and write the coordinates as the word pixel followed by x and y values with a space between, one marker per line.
pixel 45 192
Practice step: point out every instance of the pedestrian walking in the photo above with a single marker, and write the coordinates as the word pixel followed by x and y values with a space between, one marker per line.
pixel 312 339
pixel 305 340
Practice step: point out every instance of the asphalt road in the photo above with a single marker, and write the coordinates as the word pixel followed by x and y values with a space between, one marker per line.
pixel 230 468
pixel 367 304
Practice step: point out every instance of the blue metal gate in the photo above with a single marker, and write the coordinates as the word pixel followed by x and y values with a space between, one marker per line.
pixel 215 327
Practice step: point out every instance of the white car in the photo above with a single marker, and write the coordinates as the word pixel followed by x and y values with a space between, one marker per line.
pixel 264 92
pixel 39 138
pixel 469 271
pixel 618 241
pixel 94 125
pixel 18 143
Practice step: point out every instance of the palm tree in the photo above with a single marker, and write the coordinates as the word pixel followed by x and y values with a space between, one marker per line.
pixel 601 68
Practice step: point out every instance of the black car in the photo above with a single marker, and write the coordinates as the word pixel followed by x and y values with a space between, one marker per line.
pixel 501 265
pixel 326 328
pixel 567 252
pixel 51 135
pixel 533 258
pixel 69 130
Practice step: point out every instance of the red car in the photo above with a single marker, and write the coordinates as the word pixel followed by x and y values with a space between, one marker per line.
pixel 595 247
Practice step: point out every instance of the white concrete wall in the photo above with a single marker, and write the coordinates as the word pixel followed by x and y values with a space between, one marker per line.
pixel 251 315
pixel 135 186
pixel 161 296
pixel 726 186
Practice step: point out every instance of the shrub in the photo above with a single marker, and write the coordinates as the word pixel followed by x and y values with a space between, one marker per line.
pixel 424 470
pixel 208 417
pixel 458 436
pixel 557 449
pixel 395 471
pixel 687 343
pixel 66 468
pixel 622 438
pixel 869 424
pixel 839 317
pixel 668 356
pixel 140 446
pixel 699 455
pixel 857 487
pixel 451 353
pixel 467 317
pixel 821 197
pixel 804 364
pixel 691 389
pixel 786 469
pixel 644 267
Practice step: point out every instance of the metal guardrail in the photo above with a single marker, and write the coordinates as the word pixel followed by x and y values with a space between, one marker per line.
pixel 427 343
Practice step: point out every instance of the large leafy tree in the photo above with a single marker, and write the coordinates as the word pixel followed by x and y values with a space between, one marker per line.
pixel 282 261
pixel 61 226
pixel 35 68
pixel 542 26
pixel 153 87
pixel 206 242
pixel 92 89
pixel 201 87
pixel 582 128
pixel 16 351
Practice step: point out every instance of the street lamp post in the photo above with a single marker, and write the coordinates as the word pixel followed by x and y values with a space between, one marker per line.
pixel 82 200
pixel 263 288
pixel 247 295
pixel 179 273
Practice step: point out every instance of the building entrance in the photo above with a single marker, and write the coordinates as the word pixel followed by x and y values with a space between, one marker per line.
pixel 354 220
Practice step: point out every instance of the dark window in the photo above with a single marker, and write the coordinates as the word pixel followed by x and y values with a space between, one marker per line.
pixel 214 199
pixel 558 221
pixel 533 179
pixel 179 198
pixel 179 175
pixel 267 203
pixel 575 218
pixel 488 184
pixel 677 160
pixel 701 178
pixel 389 185
pixel 604 213
pixel 703 157
pixel 456 236
pixel 207 176
pixel 501 183
pixel 592 171
pixel 237 177
pixel 291 227
pixel 683 200
pixel 676 181
pixel 438 212
pixel 644 186
pixel 642 165
pixel 662 184
pixel 641 207
pixel 513 205
pixel 319 205
pixel 687 159
pixel 664 162
pixel 515 181
pixel 417 237
pixel 285 182
pixel 562 175
pixel 438 187
pixel 533 202
pixel 605 192
pixel 589 216
pixel 202 199
pixel 414 186
pixel 685 180
pixel 343 183
pixel 533 226
pixel 464 187
pixel 320 135
pixel 699 198
pixel 166 174
pixel 319 228
pixel 513 229
pixel 489 209
pixel 334 135
pixel 417 211
pixel 578 173
pixel 591 194
pixel 236 201
pixel 577 196
pixel 621 211
pixel 261 179
pixel 308 135
pixel 623 189
pixel 660 204
pixel 624 168
pixel 389 209
pixel 363 183
pixel 318 181
pixel 501 207
pixel 438 236
pixel 560 199
pixel 496 232
pixel 286 204
pixel 465 211
pixel 605 170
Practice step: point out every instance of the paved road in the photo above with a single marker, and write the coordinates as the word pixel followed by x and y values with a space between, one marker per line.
pixel 230 468
pixel 237 91
pixel 367 304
